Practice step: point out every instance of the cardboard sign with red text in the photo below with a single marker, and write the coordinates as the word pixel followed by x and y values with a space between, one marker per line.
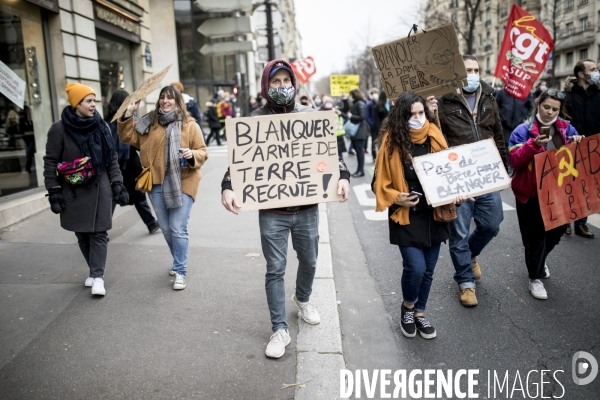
pixel 568 182
pixel 283 160
pixel 526 47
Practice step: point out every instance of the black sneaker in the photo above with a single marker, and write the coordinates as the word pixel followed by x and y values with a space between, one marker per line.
pixel 407 322
pixel 424 327
pixel 153 227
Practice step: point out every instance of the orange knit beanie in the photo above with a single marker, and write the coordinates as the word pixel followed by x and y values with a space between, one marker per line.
pixel 77 92
pixel 178 85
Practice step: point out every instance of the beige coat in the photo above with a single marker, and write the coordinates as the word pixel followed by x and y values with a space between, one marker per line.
pixel 191 137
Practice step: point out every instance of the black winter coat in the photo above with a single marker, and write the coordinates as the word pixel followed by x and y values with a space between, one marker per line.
pixel 513 112
pixel 88 207
pixel 359 114
pixel 213 118
pixel 422 231
pixel 583 106
pixel 459 127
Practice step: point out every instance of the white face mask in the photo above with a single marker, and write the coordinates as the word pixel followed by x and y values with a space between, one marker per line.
pixel 375 96
pixel 539 118
pixel 318 102
pixel 328 106
pixel 416 123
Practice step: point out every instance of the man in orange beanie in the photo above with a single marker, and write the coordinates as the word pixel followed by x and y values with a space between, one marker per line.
pixel 77 92
pixel 190 104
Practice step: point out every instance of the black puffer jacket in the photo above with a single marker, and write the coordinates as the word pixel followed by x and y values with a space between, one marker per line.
pixel 583 106
pixel 461 126
pixel 359 113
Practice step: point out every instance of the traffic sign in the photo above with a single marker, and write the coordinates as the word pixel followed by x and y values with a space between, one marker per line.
pixel 224 5
pixel 221 27
pixel 218 49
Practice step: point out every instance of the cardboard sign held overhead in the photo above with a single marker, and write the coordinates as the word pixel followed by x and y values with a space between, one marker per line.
pixel 568 182
pixel 283 160
pixel 425 63
pixel 469 170
pixel 339 84
pixel 149 86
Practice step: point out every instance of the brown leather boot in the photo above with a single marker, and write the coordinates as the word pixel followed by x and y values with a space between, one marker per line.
pixel 583 230
pixel 476 269
pixel 468 298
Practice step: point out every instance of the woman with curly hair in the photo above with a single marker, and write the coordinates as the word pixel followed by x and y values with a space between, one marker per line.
pixel 410 131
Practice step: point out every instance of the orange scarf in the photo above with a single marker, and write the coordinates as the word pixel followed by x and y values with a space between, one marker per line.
pixel 390 181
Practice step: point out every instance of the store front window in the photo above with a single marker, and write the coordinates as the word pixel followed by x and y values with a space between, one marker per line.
pixel 116 65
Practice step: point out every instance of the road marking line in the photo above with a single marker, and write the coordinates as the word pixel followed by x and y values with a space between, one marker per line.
pixel 594 220
pixel 360 191
pixel 507 207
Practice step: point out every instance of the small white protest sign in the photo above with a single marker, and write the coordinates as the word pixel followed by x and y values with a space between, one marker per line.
pixel 11 85
pixel 469 170
pixel 283 160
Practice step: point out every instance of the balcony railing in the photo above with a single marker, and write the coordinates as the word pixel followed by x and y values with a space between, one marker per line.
pixel 575 31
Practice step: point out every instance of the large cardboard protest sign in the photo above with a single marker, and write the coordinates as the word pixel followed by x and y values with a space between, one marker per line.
pixel 339 84
pixel 427 63
pixel 283 160
pixel 568 182
pixel 469 170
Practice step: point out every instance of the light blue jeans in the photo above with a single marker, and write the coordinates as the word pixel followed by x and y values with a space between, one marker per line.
pixel 275 230
pixel 487 212
pixel 174 225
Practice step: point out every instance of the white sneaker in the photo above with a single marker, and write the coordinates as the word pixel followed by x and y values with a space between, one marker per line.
pixel 277 343
pixel 546 271
pixel 537 289
pixel 98 287
pixel 171 272
pixel 307 311
pixel 89 281
pixel 179 282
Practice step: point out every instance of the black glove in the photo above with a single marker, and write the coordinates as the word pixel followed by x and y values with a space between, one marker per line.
pixel 120 194
pixel 57 202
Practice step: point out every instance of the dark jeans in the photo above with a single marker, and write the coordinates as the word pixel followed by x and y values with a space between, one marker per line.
pixel 360 154
pixel 94 247
pixel 537 241
pixel 216 132
pixel 582 221
pixel 373 147
pixel 417 276
pixel 143 209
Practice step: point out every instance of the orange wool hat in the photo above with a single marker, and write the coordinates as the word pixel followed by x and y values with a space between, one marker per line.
pixel 178 85
pixel 77 92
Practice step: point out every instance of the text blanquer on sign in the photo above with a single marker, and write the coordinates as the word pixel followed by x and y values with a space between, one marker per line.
pixel 425 63
pixel 339 84
pixel 283 160
pixel 568 182
pixel 469 170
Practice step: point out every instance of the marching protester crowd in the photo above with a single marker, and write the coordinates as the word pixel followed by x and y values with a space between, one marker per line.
pixel 91 164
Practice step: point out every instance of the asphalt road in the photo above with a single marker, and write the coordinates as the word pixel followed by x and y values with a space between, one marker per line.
pixel 508 332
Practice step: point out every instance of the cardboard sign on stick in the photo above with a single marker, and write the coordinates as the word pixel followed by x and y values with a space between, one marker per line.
pixel 149 86
pixel 339 84
pixel 427 63
pixel 469 170
pixel 568 182
pixel 283 160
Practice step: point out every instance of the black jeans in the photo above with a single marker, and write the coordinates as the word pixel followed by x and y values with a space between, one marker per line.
pixel 537 241
pixel 94 247
pixel 360 154
pixel 143 209
pixel 216 132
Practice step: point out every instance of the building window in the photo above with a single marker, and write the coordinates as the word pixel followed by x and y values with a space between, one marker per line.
pixel 569 58
pixel 453 3
pixel 583 1
pixel 569 5
pixel 556 63
pixel 569 28
pixel 583 24
pixel 480 40
pixel 503 7
pixel 583 54
pixel 487 64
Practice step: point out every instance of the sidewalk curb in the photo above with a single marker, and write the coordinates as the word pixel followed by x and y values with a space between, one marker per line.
pixel 319 353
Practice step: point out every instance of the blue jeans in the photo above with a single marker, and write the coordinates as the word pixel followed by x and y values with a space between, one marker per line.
pixel 274 232
pixel 174 225
pixel 417 276
pixel 487 212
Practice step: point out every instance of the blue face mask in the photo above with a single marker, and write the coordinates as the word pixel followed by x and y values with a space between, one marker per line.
pixel 473 83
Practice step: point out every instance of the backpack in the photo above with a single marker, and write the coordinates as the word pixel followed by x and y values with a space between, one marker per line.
pixel 219 111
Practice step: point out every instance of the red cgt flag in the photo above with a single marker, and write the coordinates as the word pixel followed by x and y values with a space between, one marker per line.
pixel 525 50
pixel 304 69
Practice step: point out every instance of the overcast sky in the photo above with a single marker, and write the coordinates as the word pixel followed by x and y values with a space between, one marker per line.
pixel 332 30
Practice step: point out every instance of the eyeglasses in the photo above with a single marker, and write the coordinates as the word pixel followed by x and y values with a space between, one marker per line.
pixel 556 93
